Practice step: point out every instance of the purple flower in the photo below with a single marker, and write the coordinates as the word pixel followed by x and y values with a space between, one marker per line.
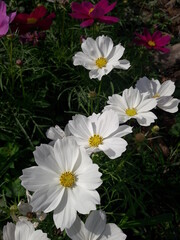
pixel 155 41
pixel 5 19
pixel 88 12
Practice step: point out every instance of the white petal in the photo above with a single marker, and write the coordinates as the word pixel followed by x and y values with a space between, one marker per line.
pixel 47 199
pixel 44 157
pixel 145 119
pixel 65 214
pixel 123 131
pixel 167 88
pixel 9 231
pixel 105 44
pixel 116 53
pixel 66 152
pixel 24 208
pixel 85 200
pixel 123 64
pixel 107 123
pixel 97 73
pixel 168 104
pixel 55 133
pixel 23 230
pixel 89 178
pixel 77 231
pixel 90 48
pixel 118 101
pixel 94 117
pixel 95 224
pixel 38 234
pixel 112 232
pixel 82 59
pixel 113 147
pixel 150 86
pixel 83 163
pixel 146 105
pixel 81 127
pixel 36 177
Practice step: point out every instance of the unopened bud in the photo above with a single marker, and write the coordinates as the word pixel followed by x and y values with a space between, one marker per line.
pixel 155 129
pixel 19 62
pixel 92 94
pixel 139 137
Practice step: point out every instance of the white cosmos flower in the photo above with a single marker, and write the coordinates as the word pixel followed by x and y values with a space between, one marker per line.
pixel 95 228
pixel 162 92
pixel 23 230
pixel 64 181
pixel 133 104
pixel 25 209
pixel 100 132
pixel 56 132
pixel 100 56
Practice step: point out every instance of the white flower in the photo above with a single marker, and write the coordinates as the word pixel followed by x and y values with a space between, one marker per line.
pixel 95 228
pixel 100 56
pixel 162 92
pixel 23 230
pixel 25 209
pixel 133 104
pixel 100 132
pixel 56 132
pixel 64 181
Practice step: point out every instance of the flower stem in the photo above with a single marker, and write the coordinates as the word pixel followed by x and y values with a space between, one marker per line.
pixel 99 91
pixel 22 84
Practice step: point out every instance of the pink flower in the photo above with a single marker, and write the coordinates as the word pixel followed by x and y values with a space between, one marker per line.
pixel 89 12
pixel 36 20
pixel 5 19
pixel 155 41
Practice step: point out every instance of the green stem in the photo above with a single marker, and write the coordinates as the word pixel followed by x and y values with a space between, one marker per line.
pixel 22 84
pixel 11 64
pixel 92 106
pixel 99 91
pixel 62 29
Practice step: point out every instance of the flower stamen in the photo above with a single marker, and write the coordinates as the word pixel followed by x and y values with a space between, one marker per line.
pixel 95 140
pixel 101 62
pixel 131 111
pixel 151 43
pixel 91 10
pixel 31 20
pixel 156 95
pixel 67 179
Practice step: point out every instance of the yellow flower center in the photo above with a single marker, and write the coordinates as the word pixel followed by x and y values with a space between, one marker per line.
pixel 95 140
pixel 131 112
pixel 151 43
pixel 91 10
pixel 31 20
pixel 67 179
pixel 101 62
pixel 156 95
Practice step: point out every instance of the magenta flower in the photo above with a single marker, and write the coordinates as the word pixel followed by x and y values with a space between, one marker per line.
pixel 89 12
pixel 5 19
pixel 155 41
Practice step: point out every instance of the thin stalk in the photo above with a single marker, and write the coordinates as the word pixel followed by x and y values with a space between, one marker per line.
pixel 99 92
pixel 92 106
pixel 22 84
pixel 62 29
